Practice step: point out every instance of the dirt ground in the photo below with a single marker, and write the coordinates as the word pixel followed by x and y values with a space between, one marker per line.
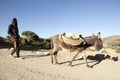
pixel 36 65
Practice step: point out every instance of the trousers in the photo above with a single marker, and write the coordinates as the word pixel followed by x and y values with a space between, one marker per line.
pixel 16 49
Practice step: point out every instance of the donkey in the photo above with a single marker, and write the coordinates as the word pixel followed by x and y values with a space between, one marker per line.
pixel 58 45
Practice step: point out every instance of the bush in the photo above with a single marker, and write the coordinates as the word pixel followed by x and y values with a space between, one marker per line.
pixel 23 42
pixel 118 50
pixel 115 44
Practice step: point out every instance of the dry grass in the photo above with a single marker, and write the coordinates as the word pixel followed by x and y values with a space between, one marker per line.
pixel 112 42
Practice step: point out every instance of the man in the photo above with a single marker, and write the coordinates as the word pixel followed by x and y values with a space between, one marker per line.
pixel 14 34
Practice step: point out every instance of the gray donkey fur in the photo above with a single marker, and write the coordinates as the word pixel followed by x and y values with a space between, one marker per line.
pixel 58 45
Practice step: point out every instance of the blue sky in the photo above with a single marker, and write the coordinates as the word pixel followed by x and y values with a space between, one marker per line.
pixel 49 17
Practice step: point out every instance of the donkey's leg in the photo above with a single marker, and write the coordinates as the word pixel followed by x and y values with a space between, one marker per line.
pixel 51 54
pixel 84 55
pixel 74 58
pixel 55 57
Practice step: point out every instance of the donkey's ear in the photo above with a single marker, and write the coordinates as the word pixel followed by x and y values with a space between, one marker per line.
pixel 99 35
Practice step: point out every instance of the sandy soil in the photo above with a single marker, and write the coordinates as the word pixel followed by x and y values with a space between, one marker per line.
pixel 36 65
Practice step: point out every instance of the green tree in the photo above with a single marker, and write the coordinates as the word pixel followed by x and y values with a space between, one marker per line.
pixel 30 36
pixel 1 39
pixel 23 41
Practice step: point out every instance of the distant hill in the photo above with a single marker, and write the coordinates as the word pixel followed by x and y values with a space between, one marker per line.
pixel 112 42
pixel 111 39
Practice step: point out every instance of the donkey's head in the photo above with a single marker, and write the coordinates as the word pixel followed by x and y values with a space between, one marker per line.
pixel 95 41
pixel 98 44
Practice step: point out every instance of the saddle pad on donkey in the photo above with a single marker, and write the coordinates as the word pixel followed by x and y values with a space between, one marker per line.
pixel 72 35
pixel 69 40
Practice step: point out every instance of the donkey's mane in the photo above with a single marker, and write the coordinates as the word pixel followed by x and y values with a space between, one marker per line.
pixel 89 37
pixel 90 40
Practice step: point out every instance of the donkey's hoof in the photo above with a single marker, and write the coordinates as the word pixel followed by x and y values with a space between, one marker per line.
pixel 70 65
pixel 89 66
pixel 56 63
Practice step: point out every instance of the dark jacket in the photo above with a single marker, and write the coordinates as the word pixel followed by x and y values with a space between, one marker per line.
pixel 13 32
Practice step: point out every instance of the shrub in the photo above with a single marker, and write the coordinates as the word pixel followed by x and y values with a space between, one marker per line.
pixel 115 44
pixel 118 50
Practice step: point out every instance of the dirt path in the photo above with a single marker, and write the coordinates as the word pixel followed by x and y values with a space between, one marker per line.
pixel 37 66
